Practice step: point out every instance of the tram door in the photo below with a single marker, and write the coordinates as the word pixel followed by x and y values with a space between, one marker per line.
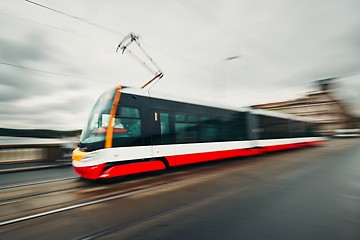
pixel 161 128
pixel 160 134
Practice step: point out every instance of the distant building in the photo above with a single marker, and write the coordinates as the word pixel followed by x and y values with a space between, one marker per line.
pixel 320 105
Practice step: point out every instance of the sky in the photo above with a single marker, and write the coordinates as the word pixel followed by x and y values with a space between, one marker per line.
pixel 58 56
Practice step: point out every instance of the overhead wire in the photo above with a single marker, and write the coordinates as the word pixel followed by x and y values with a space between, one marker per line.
pixel 109 48
pixel 37 23
pixel 77 18
pixel 48 72
pixel 200 65
pixel 230 30
pixel 167 52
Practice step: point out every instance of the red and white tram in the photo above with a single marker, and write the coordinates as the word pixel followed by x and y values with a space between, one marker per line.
pixel 132 131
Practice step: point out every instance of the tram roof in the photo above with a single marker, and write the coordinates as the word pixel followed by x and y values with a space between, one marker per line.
pixel 164 96
pixel 280 115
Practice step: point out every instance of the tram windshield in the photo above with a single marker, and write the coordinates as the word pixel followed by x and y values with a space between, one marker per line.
pixel 99 119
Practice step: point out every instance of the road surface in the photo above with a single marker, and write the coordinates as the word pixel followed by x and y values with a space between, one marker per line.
pixel 311 193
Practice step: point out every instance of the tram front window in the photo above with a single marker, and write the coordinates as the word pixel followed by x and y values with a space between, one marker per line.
pixel 95 130
pixel 127 122
pixel 125 125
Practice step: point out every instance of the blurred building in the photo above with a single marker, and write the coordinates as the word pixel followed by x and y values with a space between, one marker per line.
pixel 321 105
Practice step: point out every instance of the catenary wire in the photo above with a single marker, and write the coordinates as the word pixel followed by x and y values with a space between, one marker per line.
pixel 77 18
pixel 48 72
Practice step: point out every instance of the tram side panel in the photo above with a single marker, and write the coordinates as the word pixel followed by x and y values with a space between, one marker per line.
pixel 158 133
pixel 276 134
pixel 191 133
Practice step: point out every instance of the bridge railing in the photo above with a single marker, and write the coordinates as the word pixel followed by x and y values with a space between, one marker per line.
pixel 17 153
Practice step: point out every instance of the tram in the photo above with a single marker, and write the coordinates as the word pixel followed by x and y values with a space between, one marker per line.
pixel 132 131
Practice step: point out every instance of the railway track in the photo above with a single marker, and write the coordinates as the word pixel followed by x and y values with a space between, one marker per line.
pixel 36 183
pixel 37 201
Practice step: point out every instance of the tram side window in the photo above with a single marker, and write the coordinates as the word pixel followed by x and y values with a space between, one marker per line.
pixel 127 122
pixel 185 128
pixel 224 128
pixel 210 129
pixel 166 138
pixel 297 128
pixel 311 130
pixel 164 121
pixel 273 127
pixel 233 128
pixel 191 128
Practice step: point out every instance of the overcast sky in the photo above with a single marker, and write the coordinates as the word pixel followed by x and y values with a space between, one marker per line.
pixel 58 56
